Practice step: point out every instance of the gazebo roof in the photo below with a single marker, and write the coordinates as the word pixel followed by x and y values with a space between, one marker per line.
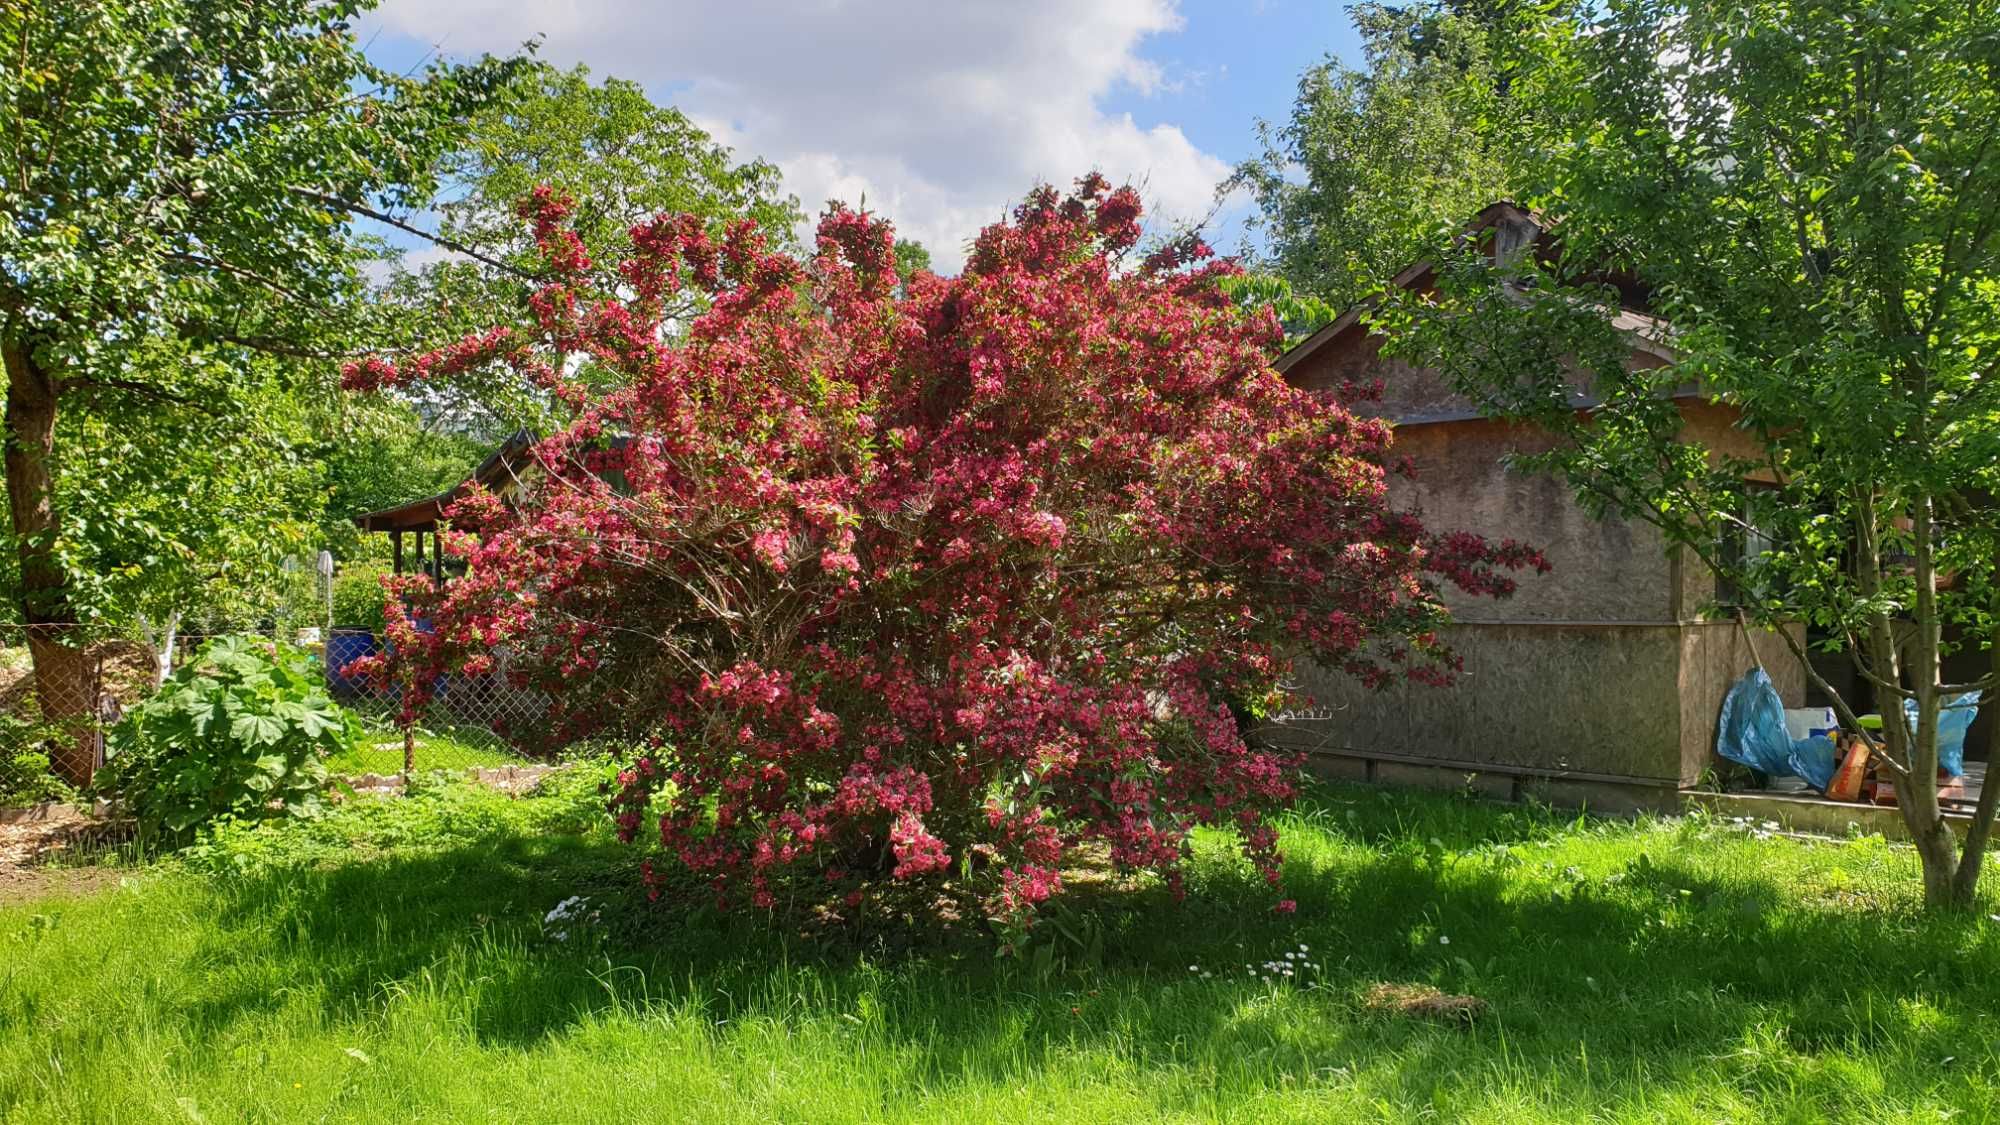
pixel 425 514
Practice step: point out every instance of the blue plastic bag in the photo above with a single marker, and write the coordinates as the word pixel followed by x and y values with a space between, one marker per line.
pixel 1752 732
pixel 1814 759
pixel 1955 717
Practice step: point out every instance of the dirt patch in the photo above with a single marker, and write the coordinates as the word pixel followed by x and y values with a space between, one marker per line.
pixel 28 884
pixel 507 779
pixel 121 670
pixel 32 848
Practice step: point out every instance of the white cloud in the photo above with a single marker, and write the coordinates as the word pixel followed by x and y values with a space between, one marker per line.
pixel 942 113
pixel 380 270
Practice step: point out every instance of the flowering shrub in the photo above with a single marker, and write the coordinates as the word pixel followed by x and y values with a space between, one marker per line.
pixel 902 581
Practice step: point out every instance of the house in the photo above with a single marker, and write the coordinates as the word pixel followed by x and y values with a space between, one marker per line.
pixel 1600 682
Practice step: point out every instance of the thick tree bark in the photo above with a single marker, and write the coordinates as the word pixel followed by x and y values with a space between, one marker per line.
pixel 62 680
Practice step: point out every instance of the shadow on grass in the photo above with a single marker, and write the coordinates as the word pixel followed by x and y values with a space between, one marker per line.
pixel 1659 977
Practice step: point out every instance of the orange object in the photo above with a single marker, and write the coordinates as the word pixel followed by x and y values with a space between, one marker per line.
pixel 1853 771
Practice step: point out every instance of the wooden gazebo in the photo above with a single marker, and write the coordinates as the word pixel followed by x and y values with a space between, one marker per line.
pixel 419 518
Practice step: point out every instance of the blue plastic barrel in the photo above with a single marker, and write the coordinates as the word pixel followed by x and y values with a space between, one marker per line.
pixel 343 648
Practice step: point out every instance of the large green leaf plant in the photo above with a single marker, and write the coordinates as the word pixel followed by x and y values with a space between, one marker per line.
pixel 242 731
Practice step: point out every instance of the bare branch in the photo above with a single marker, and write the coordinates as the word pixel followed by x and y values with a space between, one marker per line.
pixel 450 244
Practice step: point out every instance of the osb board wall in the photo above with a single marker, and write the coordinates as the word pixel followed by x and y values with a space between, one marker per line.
pixel 1600 699
pixel 1713 656
pixel 1637 701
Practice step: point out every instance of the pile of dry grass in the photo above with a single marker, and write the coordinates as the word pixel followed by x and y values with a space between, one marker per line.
pixel 1421 1001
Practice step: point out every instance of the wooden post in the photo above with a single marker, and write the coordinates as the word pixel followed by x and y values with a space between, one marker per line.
pixel 396 547
pixel 409 757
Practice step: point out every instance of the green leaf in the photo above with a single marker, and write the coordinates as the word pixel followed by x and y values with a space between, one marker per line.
pixel 257 730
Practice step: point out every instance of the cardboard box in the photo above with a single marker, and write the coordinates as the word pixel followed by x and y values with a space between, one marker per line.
pixel 1852 773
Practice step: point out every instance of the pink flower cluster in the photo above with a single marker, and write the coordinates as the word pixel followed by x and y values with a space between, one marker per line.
pixel 894 582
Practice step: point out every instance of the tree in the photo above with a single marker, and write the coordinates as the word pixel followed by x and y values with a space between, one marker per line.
pixel 911 258
pixel 378 452
pixel 621 157
pixel 186 515
pixel 1299 315
pixel 1812 192
pixel 895 584
pixel 1378 166
pixel 177 177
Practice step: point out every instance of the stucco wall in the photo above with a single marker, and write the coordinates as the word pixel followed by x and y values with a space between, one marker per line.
pixel 1601 570
pixel 1408 392
pixel 1601 668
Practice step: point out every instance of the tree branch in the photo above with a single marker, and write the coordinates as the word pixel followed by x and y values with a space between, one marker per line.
pixel 1980 830
pixel 450 244
pixel 253 276
pixel 130 386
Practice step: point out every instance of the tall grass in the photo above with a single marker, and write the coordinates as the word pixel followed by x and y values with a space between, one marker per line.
pixel 389 964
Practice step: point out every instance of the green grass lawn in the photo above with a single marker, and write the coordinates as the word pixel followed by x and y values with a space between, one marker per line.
pixel 446 748
pixel 389 964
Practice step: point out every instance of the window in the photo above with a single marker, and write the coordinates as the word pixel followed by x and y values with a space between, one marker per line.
pixel 1742 545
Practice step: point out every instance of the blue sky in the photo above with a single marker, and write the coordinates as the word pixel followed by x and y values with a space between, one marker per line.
pixel 939 113
pixel 1242 61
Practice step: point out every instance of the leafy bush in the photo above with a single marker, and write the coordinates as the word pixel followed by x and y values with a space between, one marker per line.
pixel 25 774
pixel 243 730
pixel 936 578
pixel 358 596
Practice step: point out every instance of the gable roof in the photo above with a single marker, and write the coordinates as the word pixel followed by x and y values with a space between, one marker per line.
pixel 1492 215
pixel 1648 333
pixel 424 514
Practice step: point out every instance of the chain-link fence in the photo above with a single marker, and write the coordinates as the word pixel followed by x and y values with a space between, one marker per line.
pixel 469 721
pixel 63 690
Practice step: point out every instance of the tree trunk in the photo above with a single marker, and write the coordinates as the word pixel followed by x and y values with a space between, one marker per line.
pixel 1937 844
pixel 62 679
pixel 1916 793
pixel 1917 801
pixel 1977 834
